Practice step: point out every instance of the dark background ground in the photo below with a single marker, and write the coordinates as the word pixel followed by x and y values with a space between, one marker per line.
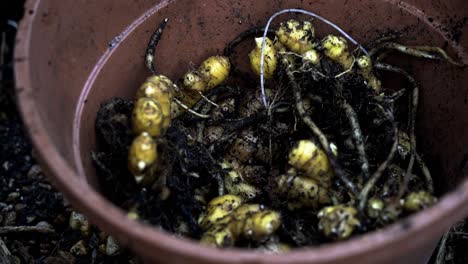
pixel 28 200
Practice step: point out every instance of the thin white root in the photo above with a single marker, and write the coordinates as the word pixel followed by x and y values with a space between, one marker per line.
pixel 208 100
pixel 190 110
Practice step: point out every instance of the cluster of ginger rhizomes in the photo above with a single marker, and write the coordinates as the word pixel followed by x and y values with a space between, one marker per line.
pixel 313 172
pixel 158 100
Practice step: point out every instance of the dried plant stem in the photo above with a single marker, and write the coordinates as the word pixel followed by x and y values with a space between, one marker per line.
pixel 24 229
pixel 248 34
pixel 201 125
pixel 5 254
pixel 154 40
pixel 426 52
pixel 412 120
pixel 320 137
pixel 426 173
pixel 364 195
pixel 216 91
pixel 216 174
pixel 190 110
pixel 440 259
pixel 208 100
pixel 357 136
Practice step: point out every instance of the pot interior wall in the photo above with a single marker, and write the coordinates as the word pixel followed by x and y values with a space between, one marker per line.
pixel 67 51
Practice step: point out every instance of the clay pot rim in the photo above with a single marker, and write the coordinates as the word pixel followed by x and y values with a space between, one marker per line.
pixel 142 237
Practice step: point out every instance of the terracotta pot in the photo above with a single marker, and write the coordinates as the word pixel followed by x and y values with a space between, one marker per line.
pixel 73 55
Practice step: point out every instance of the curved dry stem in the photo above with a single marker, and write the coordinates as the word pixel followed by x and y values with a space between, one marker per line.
pixel 320 137
pixel 154 40
pixel 208 100
pixel 412 121
pixel 201 125
pixel 426 173
pixel 404 184
pixel 190 110
pixel 440 52
pixel 347 70
pixel 249 33
pixel 388 37
pixel 395 95
pixel 426 52
pixel 357 137
pixel 364 195
pixel 216 91
pixel 216 175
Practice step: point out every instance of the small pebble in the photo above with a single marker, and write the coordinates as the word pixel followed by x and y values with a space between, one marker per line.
pixel 11 182
pixel 34 172
pixel 6 165
pixel 112 247
pixel 26 189
pixel 102 248
pixel 30 219
pixel 79 222
pixel 45 186
pixel 20 207
pixel 12 197
pixel 16 260
pixel 66 203
pixel 79 249
pixel 102 236
pixel 76 220
pixel 44 224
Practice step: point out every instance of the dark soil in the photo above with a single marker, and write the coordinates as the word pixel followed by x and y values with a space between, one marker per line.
pixel 26 197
